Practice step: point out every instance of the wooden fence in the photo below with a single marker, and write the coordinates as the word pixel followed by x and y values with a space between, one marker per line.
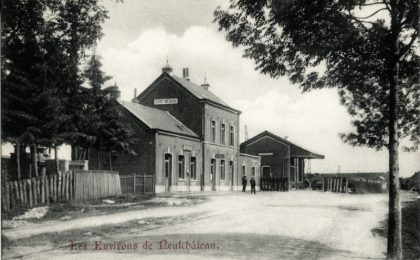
pixel 35 191
pixel 335 184
pixel 96 184
pixel 137 184
pixel 347 184
pixel 72 185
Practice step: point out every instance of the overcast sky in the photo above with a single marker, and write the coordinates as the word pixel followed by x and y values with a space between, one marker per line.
pixel 141 33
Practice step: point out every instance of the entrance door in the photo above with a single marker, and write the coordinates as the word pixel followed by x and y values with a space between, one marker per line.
pixel 168 172
pixel 213 174
pixel 266 171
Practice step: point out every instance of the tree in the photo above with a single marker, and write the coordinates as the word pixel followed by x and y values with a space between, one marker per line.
pixel 43 45
pixel 104 124
pixel 370 60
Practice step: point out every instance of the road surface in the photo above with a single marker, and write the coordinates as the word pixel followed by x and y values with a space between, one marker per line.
pixel 268 225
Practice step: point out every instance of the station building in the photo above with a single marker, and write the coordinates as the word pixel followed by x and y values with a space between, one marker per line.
pixel 188 138
pixel 280 157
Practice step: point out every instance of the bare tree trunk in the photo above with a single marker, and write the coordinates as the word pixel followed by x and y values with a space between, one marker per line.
pixel 34 160
pixel 17 152
pixel 394 248
pixel 57 162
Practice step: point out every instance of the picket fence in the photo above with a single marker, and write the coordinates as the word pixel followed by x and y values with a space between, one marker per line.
pixel 72 185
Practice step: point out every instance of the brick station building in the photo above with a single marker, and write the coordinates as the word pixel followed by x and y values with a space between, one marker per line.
pixel 280 157
pixel 189 138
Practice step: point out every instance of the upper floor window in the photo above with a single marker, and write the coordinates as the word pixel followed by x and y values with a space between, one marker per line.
pixel 222 133
pixel 222 169
pixel 193 168
pixel 232 136
pixel 213 131
pixel 181 167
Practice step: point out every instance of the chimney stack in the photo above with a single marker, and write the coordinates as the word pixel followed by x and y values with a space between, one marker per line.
pixel 135 100
pixel 186 73
pixel 205 84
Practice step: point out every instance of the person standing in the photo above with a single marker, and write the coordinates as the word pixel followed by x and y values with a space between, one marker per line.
pixel 244 182
pixel 252 182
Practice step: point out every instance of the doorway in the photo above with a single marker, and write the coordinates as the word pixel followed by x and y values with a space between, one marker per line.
pixel 213 174
pixel 266 171
pixel 168 172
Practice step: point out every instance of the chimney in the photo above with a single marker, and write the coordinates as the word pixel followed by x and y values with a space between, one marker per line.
pixel 135 100
pixel 186 74
pixel 205 84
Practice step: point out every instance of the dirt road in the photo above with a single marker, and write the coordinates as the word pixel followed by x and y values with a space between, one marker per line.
pixel 270 225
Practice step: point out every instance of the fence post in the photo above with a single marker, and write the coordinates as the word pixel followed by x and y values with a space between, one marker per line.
pixel 11 195
pixel 144 184
pixel 3 197
pixel 15 186
pixel 134 183
pixel 28 182
pixel 71 185
pixel 54 185
pixel 34 196
pixel 24 185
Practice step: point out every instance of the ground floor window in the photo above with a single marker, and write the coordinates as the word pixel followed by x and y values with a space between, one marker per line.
pixel 193 168
pixel 212 168
pixel 181 167
pixel 222 169
pixel 168 165
pixel 243 170
pixel 253 171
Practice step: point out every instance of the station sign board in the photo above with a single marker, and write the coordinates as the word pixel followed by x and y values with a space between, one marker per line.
pixel 165 101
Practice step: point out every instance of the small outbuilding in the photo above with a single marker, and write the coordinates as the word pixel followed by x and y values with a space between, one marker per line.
pixel 280 158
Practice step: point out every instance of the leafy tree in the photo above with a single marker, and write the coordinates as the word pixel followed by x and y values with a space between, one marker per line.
pixel 329 44
pixel 43 45
pixel 106 129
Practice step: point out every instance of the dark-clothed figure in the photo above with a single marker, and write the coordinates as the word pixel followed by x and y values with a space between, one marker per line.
pixel 252 182
pixel 277 183
pixel 244 182
pixel 273 183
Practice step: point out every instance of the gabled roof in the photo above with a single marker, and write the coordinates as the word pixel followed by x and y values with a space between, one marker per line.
pixel 295 150
pixel 196 90
pixel 157 119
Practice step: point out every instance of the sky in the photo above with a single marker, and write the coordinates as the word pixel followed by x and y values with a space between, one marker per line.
pixel 140 34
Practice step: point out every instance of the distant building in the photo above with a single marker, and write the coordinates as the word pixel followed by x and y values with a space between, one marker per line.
pixel 280 157
pixel 189 137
